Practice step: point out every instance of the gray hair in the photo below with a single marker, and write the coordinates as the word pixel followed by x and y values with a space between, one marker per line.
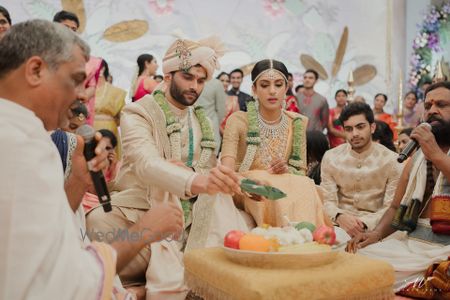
pixel 53 42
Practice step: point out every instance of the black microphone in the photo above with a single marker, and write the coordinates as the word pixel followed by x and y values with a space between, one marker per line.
pixel 412 146
pixel 88 133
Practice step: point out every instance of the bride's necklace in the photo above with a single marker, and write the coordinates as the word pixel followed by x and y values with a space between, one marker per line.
pixel 260 133
pixel 273 129
pixel 270 122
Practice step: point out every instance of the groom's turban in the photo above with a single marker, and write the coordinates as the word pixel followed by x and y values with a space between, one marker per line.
pixel 184 54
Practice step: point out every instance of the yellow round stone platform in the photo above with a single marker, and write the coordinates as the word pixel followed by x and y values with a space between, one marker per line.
pixel 211 275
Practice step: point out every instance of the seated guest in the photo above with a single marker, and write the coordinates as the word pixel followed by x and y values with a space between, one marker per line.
pixel 42 71
pixel 411 111
pixel 421 208
pixel 359 178
pixel 336 134
pixel 404 139
pixel 378 109
pixel 5 21
pixel 316 146
pixel 383 135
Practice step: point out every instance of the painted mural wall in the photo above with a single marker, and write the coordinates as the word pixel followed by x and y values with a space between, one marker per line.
pixel 120 30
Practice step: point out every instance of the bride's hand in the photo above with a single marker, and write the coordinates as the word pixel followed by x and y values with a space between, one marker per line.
pixel 278 166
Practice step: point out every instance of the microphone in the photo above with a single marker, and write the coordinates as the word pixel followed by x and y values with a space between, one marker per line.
pixel 88 133
pixel 412 146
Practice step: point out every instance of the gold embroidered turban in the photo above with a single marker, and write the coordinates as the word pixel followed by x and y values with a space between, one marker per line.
pixel 183 54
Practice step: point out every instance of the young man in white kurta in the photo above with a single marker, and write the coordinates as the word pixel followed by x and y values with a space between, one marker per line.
pixel 360 176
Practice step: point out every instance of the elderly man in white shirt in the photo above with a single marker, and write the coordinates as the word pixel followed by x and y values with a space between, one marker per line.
pixel 42 72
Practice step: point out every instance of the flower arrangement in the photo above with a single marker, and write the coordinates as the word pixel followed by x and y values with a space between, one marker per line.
pixel 427 41
pixel 274 7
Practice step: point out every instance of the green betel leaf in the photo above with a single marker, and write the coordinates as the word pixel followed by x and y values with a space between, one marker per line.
pixel 269 192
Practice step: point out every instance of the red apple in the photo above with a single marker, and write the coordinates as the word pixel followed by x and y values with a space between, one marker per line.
pixel 324 235
pixel 232 239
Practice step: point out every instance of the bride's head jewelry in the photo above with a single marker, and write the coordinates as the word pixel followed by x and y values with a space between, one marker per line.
pixel 271 73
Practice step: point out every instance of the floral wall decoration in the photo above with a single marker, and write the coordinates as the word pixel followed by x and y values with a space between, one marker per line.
pixel 162 7
pixel 274 7
pixel 431 44
pixel 120 30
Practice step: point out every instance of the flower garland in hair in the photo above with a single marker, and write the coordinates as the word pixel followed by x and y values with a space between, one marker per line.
pixel 254 140
pixel 173 129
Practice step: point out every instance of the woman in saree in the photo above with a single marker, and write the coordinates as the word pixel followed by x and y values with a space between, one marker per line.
pixel 232 104
pixel 109 101
pixel 378 110
pixel 268 144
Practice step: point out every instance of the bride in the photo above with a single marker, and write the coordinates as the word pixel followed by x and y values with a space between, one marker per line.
pixel 268 144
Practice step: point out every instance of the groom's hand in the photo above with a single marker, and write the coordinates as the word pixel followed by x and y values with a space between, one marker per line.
pixel 179 164
pixel 220 179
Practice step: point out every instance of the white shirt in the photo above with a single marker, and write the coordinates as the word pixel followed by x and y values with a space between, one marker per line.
pixel 40 252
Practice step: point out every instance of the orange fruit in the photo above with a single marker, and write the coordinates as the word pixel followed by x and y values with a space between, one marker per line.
pixel 253 242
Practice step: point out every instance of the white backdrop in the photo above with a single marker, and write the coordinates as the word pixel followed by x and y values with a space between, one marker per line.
pixel 252 30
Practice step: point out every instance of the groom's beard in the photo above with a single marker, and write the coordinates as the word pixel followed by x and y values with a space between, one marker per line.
pixel 179 95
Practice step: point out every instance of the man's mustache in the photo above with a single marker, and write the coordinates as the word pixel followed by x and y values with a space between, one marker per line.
pixel 192 92
pixel 433 119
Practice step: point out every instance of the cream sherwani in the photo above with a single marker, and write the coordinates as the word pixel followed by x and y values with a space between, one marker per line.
pixel 40 252
pixel 147 177
pixel 361 184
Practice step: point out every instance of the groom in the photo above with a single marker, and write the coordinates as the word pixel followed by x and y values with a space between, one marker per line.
pixel 169 156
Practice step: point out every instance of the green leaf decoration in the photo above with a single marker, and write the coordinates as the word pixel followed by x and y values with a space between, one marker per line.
pixel 310 63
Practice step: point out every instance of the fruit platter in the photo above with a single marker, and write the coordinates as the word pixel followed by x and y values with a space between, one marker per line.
pixel 290 247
